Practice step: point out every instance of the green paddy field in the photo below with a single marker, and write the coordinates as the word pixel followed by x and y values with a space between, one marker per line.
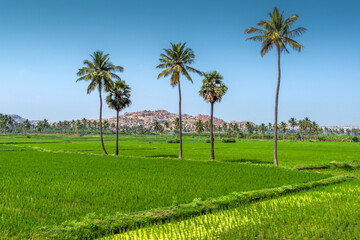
pixel 49 183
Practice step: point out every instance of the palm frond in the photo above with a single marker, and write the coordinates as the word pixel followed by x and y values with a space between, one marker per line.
pixel 174 78
pixel 295 45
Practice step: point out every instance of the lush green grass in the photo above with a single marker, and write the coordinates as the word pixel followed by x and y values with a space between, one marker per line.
pixel 70 178
pixel 47 188
pixel 254 151
pixel 331 212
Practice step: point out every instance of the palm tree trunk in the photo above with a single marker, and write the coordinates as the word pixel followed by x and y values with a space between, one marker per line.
pixel 180 122
pixel 117 134
pixel 276 109
pixel 101 136
pixel 293 133
pixel 211 132
pixel 199 136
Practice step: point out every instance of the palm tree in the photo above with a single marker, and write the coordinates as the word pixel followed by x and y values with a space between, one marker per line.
pixel 84 122
pixel 78 126
pixel 283 127
pixel 199 127
pixel 249 127
pixel 212 90
pixel 307 125
pixel 156 126
pixel 176 61
pixel 262 129
pixel 106 125
pixel 26 124
pixel 118 99
pixel 276 32
pixel 100 72
pixel 166 125
pixel 225 126
pixel 314 128
pixel 301 125
pixel 176 123
pixel 293 123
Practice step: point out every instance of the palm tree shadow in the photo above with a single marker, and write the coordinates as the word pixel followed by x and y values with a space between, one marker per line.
pixel 164 156
pixel 243 160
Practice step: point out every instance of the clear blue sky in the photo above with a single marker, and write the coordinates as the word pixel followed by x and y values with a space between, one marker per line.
pixel 43 44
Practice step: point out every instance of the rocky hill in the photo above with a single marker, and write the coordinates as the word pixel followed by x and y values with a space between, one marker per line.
pixel 147 117
pixel 20 119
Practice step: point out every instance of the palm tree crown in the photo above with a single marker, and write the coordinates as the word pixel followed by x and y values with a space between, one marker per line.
pixel 100 71
pixel 176 60
pixel 277 32
pixel 213 88
pixel 119 95
pixel 292 122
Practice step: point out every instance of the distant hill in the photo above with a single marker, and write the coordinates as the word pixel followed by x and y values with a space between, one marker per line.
pixel 20 119
pixel 147 117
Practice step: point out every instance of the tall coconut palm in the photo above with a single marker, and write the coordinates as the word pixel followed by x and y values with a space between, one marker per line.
pixel 293 123
pixel 176 61
pixel 199 127
pixel 118 99
pixel 276 32
pixel 99 71
pixel 212 91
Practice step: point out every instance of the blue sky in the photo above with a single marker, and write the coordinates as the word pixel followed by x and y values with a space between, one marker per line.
pixel 43 44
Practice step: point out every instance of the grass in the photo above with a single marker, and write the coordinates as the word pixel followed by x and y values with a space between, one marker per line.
pixel 253 151
pixel 50 180
pixel 331 212
pixel 47 188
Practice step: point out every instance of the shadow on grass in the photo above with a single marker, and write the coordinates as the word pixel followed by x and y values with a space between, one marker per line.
pixel 247 161
pixel 164 156
pixel 132 149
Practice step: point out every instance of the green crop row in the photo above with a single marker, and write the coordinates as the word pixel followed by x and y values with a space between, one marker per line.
pixel 331 212
pixel 93 226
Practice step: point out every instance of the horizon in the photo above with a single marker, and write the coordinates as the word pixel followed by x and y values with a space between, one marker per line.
pixel 215 117
pixel 45 45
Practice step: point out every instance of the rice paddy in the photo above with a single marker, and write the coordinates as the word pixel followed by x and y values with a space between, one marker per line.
pixel 330 212
pixel 49 180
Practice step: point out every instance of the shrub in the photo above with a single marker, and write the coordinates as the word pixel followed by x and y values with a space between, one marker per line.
pixel 175 140
pixel 355 139
pixel 321 138
pixel 228 140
